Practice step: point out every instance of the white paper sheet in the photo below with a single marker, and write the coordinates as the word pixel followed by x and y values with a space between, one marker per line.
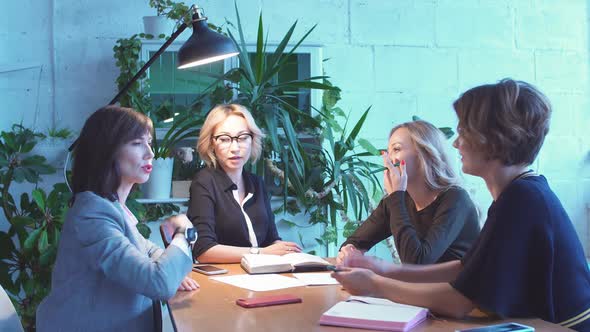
pixel 260 282
pixel 316 279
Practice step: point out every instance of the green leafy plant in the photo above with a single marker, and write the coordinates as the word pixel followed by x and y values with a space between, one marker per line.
pixel 185 124
pixel 63 133
pixel 148 212
pixel 322 175
pixel 28 249
pixel 126 53
pixel 341 183
pixel 269 101
pixel 172 10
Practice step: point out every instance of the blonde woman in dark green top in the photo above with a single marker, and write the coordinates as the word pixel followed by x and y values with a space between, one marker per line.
pixel 431 218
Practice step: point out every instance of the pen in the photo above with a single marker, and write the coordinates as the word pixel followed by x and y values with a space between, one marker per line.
pixel 333 268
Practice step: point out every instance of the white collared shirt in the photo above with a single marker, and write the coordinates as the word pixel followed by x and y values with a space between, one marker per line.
pixel 251 234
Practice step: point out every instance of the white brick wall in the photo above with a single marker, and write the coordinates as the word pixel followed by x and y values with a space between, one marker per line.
pixel 416 70
pixel 404 23
pixel 404 57
pixel 473 25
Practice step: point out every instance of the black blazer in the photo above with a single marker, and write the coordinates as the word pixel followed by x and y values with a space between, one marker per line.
pixel 217 216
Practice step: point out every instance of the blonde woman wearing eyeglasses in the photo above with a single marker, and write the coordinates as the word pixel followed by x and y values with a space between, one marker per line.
pixel 229 206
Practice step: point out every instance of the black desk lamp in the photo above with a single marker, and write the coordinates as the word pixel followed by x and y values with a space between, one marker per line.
pixel 204 46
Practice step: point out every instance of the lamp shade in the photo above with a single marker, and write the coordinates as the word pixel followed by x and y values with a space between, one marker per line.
pixel 204 46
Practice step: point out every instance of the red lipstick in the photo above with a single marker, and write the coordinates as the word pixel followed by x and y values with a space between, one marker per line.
pixel 147 168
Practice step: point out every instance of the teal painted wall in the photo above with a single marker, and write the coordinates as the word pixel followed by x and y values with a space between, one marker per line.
pixel 403 57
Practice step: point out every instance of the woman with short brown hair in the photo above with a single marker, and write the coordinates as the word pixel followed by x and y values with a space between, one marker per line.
pixel 528 260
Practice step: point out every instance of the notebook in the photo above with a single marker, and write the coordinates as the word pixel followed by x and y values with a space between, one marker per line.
pixel 373 313
pixel 295 262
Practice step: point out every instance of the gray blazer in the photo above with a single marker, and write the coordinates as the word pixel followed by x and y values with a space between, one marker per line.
pixel 106 273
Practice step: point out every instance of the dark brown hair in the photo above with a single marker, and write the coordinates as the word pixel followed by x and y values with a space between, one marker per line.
pixel 507 121
pixel 105 131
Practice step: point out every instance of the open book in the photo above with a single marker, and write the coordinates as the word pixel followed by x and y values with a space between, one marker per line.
pixel 374 313
pixel 295 262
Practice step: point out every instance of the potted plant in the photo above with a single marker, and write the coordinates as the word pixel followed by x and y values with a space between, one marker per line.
pixel 54 146
pixel 29 246
pixel 172 124
pixel 167 13
pixel 323 177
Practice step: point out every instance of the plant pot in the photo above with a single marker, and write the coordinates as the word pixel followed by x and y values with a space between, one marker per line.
pixel 159 184
pixel 181 189
pixel 54 150
pixel 157 25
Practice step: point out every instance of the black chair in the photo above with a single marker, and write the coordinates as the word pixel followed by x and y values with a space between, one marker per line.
pixel 157 313
pixel 166 232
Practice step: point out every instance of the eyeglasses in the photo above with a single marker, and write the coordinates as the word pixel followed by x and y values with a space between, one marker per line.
pixel 224 141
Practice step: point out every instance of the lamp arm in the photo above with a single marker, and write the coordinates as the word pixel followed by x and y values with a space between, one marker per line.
pixel 143 69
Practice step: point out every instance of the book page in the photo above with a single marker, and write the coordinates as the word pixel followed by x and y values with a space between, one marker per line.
pixel 313 279
pixel 264 260
pixel 260 282
pixel 363 311
pixel 299 258
pixel 378 301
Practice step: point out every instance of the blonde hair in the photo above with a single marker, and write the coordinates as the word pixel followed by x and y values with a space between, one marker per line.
pixel 217 116
pixel 433 157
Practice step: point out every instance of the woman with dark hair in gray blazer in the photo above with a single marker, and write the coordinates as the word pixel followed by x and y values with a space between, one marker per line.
pixel 106 274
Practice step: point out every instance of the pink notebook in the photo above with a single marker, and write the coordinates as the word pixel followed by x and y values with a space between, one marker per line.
pixel 375 314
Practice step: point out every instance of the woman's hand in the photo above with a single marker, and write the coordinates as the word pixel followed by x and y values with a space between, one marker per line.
pixel 347 251
pixel 280 248
pixel 395 178
pixel 357 281
pixel 188 284
pixel 179 221
pixel 374 264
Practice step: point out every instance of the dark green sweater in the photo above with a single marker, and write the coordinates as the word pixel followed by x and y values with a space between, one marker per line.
pixel 441 232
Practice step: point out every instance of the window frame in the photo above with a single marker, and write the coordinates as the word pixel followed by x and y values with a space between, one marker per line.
pixel 315 52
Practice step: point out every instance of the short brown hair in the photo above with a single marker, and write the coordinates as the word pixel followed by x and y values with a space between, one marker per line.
pixel 507 121
pixel 215 117
pixel 95 154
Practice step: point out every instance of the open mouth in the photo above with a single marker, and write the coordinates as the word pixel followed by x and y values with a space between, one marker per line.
pixel 147 168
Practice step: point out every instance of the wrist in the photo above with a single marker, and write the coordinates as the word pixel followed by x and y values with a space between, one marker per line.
pixel 375 285
pixel 390 271
pixel 188 233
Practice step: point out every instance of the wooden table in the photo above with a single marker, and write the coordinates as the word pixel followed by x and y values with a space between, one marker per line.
pixel 213 308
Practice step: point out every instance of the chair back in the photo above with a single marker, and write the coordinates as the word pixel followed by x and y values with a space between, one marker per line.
pixel 157 314
pixel 9 320
pixel 166 232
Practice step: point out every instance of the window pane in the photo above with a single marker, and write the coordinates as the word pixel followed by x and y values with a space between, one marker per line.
pixel 181 87
pixel 297 67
